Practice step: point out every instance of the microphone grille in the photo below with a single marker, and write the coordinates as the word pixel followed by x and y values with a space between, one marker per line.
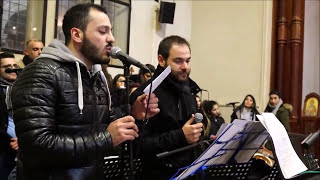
pixel 198 117
pixel 114 50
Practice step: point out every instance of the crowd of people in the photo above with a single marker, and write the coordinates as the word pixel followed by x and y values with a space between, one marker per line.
pixel 58 117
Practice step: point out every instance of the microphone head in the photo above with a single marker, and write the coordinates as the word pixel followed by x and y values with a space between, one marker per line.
pixel 113 52
pixel 198 118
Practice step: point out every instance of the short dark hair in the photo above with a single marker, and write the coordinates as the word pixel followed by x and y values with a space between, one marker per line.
pixel 276 92
pixel 166 44
pixel 149 66
pixel 6 55
pixel 78 16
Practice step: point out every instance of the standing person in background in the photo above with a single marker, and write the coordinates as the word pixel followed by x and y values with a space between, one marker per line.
pixel 247 110
pixel 276 106
pixel 212 112
pixel 173 127
pixel 62 104
pixel 32 50
pixel 8 139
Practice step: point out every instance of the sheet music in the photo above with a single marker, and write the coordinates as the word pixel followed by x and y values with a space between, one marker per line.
pixel 216 149
pixel 289 162
pixel 156 82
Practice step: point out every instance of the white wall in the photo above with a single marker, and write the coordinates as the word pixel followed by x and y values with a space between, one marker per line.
pixel 146 32
pixel 231 43
pixel 311 65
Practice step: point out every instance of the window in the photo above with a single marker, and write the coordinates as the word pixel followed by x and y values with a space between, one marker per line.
pixel 62 7
pixel 21 20
pixel 119 13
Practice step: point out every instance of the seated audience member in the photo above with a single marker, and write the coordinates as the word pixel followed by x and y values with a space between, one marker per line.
pixel 8 138
pixel 143 75
pixel 277 107
pixel 212 112
pixel 118 90
pixel 198 100
pixel 247 110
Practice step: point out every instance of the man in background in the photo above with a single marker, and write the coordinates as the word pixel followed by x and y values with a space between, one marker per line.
pixel 32 50
pixel 8 140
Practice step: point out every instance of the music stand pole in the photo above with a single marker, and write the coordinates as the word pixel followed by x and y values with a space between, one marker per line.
pixel 126 73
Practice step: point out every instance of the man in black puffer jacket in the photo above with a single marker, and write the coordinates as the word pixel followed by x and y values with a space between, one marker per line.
pixel 62 105
pixel 173 127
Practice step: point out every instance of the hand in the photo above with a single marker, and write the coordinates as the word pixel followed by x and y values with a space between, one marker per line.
pixel 192 132
pixel 140 105
pixel 14 143
pixel 123 129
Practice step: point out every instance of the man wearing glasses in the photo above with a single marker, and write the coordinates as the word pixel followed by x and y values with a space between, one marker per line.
pixel 32 51
pixel 8 140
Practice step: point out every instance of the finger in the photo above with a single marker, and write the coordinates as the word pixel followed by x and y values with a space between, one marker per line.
pixel 142 97
pixel 190 121
pixel 198 125
pixel 131 132
pixel 127 119
pixel 132 126
pixel 152 106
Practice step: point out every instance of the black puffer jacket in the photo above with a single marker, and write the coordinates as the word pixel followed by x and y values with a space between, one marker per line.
pixel 56 140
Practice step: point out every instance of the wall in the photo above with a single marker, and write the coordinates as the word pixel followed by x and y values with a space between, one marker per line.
pixel 311 65
pixel 146 32
pixel 231 43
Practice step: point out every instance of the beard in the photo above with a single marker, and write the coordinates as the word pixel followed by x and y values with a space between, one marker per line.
pixel 178 75
pixel 91 53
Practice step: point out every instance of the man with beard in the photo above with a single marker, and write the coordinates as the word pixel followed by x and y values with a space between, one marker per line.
pixel 173 127
pixel 62 106
pixel 8 140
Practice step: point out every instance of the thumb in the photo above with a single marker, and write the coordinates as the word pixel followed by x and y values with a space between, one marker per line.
pixel 190 121
pixel 141 97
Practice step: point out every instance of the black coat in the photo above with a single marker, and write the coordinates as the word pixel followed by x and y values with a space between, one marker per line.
pixel 55 140
pixel 7 154
pixel 163 132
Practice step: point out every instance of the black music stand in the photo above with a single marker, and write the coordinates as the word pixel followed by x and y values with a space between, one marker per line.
pixel 232 149
pixel 116 168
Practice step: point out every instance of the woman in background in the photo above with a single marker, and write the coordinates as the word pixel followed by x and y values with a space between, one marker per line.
pixel 212 112
pixel 247 110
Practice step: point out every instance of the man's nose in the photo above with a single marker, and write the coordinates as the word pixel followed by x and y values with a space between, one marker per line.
pixel 184 65
pixel 110 38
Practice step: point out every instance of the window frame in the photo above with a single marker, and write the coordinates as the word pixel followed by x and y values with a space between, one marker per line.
pixel 43 34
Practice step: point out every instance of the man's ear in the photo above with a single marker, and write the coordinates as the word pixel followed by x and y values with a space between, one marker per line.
pixel 76 35
pixel 161 61
pixel 26 52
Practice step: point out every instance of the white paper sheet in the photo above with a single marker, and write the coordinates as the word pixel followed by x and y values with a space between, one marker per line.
pixel 158 80
pixel 289 162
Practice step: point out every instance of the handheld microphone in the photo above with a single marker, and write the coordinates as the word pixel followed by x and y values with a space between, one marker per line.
pixel 116 53
pixel 9 70
pixel 198 118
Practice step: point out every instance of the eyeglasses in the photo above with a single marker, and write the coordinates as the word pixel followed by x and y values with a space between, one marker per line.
pixel 10 66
